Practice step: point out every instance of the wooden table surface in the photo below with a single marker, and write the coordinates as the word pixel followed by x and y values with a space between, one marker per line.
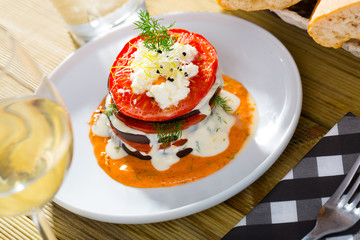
pixel 331 88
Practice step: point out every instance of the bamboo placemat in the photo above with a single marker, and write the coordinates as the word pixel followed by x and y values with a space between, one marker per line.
pixel 331 88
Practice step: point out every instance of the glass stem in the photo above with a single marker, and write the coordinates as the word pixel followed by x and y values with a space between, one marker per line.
pixel 42 225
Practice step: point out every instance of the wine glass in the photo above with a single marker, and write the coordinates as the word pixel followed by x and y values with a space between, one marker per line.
pixel 36 139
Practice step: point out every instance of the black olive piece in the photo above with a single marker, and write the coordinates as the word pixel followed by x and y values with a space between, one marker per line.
pixel 184 152
pixel 157 71
pixel 159 51
pixel 184 54
pixel 186 74
pixel 170 79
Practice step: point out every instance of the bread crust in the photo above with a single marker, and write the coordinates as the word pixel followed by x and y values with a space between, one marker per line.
pixel 253 5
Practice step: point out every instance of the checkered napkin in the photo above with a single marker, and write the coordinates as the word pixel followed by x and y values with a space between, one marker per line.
pixel 289 211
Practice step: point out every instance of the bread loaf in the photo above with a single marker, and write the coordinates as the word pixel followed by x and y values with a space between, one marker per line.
pixel 334 22
pixel 252 5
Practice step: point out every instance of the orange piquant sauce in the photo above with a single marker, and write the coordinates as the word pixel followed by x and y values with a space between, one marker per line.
pixel 135 172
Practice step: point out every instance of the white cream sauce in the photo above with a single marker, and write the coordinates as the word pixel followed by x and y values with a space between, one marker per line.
pixel 207 138
pixel 101 126
pixel 211 136
pixel 114 150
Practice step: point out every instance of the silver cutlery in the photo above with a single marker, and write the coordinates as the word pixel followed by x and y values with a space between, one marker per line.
pixel 340 212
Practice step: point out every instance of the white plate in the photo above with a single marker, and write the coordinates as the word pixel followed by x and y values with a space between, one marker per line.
pixel 247 53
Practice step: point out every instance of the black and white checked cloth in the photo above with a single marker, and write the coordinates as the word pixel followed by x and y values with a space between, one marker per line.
pixel 289 211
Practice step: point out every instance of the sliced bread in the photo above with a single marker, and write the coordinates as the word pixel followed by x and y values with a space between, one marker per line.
pixel 252 5
pixel 334 22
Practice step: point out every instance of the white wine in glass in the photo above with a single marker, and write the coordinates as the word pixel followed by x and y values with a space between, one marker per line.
pixel 35 142
pixel 36 139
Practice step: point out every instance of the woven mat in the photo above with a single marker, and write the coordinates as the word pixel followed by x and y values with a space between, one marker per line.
pixel 17 15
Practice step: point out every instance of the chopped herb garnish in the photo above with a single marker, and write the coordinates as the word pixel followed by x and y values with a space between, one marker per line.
pixel 231 155
pixel 156 37
pixel 111 110
pixel 197 146
pixel 220 118
pixel 222 102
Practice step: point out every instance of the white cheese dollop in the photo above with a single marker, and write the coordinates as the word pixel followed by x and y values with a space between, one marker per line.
pixel 163 75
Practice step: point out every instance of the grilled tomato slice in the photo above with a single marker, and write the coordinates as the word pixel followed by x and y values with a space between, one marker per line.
pixel 145 108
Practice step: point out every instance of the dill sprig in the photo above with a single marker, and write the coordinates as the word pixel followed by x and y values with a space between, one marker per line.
pixel 222 102
pixel 111 109
pixel 169 132
pixel 156 37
